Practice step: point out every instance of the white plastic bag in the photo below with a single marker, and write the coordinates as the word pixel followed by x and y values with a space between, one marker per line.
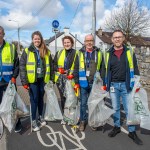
pixel 12 107
pixel 52 111
pixel 71 109
pixel 21 110
pixel 142 108
pixel 98 111
pixel 133 118
pixel 8 107
pixel 138 111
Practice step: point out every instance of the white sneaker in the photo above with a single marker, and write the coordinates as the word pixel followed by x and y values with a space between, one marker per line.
pixel 41 121
pixel 35 126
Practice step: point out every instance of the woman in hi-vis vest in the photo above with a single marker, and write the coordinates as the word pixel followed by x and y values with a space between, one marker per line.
pixel 66 65
pixel 35 71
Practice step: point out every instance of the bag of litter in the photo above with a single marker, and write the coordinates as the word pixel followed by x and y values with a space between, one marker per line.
pixel 71 110
pixel 99 113
pixel 52 111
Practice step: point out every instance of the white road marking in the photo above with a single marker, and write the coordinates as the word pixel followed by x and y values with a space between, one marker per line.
pixel 53 138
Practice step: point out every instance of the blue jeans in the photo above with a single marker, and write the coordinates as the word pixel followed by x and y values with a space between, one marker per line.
pixel 84 95
pixel 118 92
pixel 36 93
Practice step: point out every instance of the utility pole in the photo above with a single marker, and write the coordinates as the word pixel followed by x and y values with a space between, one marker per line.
pixel 94 20
pixel 18 30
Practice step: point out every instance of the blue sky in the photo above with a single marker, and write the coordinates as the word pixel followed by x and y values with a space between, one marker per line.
pixel 32 15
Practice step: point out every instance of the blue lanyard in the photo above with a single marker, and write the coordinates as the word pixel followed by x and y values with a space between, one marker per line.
pixel 38 56
pixel 88 58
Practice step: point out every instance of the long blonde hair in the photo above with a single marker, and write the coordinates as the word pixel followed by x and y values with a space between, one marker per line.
pixel 42 48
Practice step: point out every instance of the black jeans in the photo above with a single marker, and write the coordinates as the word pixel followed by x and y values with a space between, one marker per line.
pixel 2 89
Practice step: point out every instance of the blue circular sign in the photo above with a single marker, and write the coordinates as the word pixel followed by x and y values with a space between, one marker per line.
pixel 55 24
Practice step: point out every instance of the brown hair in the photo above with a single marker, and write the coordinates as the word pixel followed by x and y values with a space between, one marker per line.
pixel 118 30
pixel 42 48
pixel 69 38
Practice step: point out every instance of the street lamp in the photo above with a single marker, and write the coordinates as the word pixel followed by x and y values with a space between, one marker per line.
pixel 18 30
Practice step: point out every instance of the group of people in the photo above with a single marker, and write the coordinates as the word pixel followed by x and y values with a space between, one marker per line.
pixel 36 68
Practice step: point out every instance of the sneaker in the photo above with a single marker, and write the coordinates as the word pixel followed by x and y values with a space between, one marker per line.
pixel 114 132
pixel 94 128
pixel 63 122
pixel 18 126
pixel 41 121
pixel 35 126
pixel 135 138
pixel 82 126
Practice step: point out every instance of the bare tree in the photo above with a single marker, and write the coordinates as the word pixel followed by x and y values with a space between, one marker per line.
pixel 132 18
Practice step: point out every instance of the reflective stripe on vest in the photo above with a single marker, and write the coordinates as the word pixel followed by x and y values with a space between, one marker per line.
pixel 131 66
pixel 8 53
pixel 82 73
pixel 61 58
pixel 31 67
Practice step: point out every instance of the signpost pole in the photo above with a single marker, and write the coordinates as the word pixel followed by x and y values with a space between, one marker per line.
pixel 55 25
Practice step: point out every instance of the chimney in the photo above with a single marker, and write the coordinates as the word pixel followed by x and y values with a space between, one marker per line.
pixel 66 30
pixel 100 32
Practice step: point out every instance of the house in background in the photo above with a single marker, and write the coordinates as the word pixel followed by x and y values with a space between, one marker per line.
pixel 51 42
pixel 103 40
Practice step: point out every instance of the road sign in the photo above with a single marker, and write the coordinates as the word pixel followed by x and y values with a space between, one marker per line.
pixel 55 24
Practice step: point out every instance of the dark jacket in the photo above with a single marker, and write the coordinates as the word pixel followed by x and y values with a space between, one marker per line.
pixel 16 63
pixel 123 75
pixel 92 65
pixel 23 61
pixel 70 54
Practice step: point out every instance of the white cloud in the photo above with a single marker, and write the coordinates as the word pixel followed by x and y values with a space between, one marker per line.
pixel 120 3
pixel 27 12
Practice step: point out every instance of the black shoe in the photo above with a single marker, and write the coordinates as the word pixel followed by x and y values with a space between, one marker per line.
pixel 135 138
pixel 114 132
pixel 18 126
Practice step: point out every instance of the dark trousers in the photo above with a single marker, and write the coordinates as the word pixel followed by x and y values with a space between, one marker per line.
pixel 36 93
pixel 2 89
pixel 63 99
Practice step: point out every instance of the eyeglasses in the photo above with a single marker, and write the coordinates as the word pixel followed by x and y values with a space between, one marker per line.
pixel 117 37
pixel 89 41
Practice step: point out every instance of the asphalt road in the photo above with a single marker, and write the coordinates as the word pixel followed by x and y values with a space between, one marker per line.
pixel 62 137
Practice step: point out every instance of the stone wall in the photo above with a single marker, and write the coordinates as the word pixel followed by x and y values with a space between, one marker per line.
pixel 143 58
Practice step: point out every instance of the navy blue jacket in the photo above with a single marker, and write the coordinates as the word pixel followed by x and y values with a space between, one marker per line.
pixel 126 67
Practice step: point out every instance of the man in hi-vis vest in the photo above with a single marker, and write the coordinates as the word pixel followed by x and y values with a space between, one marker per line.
pixel 121 66
pixel 9 67
pixel 90 61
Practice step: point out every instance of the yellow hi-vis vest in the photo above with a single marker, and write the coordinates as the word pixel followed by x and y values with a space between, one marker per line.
pixel 7 58
pixel 61 58
pixel 31 67
pixel 82 73
pixel 131 66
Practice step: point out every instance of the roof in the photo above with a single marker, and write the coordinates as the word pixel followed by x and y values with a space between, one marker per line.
pixel 47 41
pixel 53 37
pixel 135 40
